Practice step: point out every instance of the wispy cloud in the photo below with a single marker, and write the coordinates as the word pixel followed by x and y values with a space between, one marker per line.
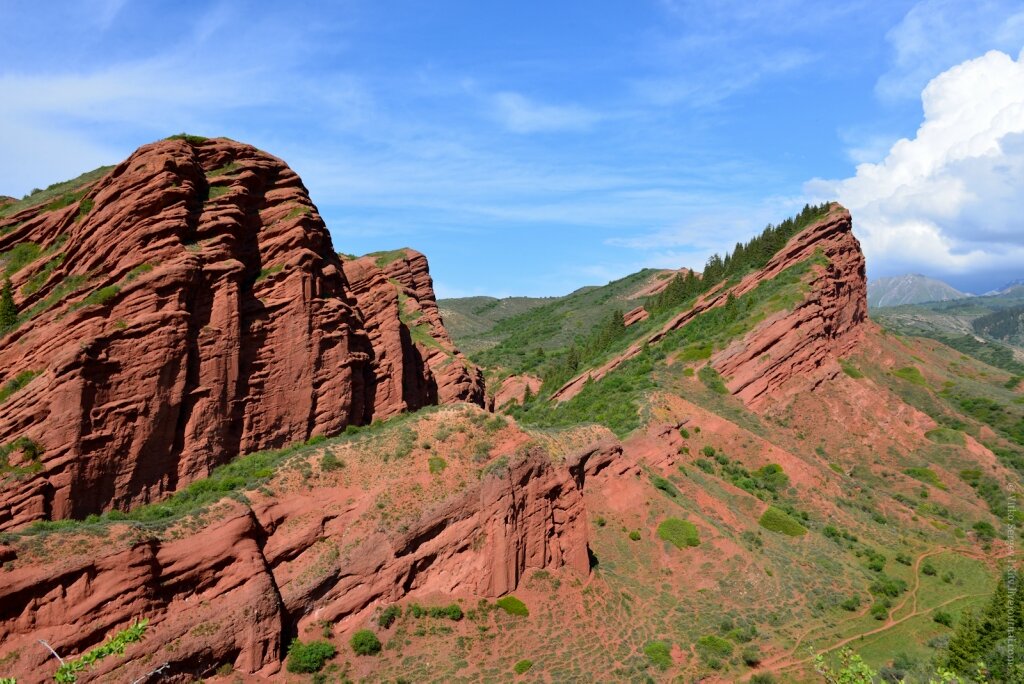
pixel 937 34
pixel 520 114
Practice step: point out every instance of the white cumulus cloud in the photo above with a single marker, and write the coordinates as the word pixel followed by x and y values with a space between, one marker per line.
pixel 949 200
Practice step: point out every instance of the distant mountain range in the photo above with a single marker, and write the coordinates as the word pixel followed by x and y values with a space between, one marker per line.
pixel 912 288
pixel 1012 286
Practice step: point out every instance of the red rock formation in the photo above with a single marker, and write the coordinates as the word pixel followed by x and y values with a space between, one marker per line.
pixel 637 315
pixel 835 308
pixel 513 390
pixel 798 349
pixel 228 593
pixel 659 283
pixel 185 308
pixel 397 291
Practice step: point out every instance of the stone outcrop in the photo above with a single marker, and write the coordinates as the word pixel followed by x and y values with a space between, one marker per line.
pixel 805 341
pixel 233 591
pixel 512 390
pixel 800 348
pixel 185 308
pixel 637 315
pixel 395 293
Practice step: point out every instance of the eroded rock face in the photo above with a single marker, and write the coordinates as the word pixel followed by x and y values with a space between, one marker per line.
pixel 513 390
pixel 798 349
pixel 186 308
pixel 792 349
pixel 233 591
pixel 418 362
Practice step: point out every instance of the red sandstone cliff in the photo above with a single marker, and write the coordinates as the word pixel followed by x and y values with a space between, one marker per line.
pixel 799 349
pixel 185 308
pixel 395 294
pixel 792 349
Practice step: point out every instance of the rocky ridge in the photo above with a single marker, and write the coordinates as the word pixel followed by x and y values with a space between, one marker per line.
pixel 782 352
pixel 185 308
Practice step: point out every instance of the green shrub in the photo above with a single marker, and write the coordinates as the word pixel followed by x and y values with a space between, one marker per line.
pixel 513 606
pixel 330 462
pixel 67 673
pixel 364 642
pixel 712 645
pixel 100 296
pixel 762 678
pixel 436 464
pixel 943 618
pixel 880 609
pixel 751 656
pixel 775 520
pixel 310 657
pixel 388 616
pixel 523 666
pixel 926 475
pixel 659 653
pixel 665 486
pixel 928 569
pixel 679 533
pixel 985 530
pixel 634 535
pixel 888 586
pixel 194 139
pixel 850 369
pixel 851 604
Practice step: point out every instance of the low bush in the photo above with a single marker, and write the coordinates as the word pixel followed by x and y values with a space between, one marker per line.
pixel 364 642
pixel 679 533
pixel 523 666
pixel 714 646
pixel 712 380
pixel 910 374
pixel 635 535
pixel 851 604
pixel 665 486
pixel 659 653
pixel 945 435
pixel 513 606
pixel 309 657
pixel 775 520
pixel 388 616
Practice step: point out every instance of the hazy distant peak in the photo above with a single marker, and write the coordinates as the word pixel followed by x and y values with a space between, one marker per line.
pixel 911 288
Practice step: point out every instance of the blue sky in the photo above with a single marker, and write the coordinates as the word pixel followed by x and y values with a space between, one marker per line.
pixel 534 147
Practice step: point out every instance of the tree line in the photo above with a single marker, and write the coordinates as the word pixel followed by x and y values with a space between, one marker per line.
pixel 744 258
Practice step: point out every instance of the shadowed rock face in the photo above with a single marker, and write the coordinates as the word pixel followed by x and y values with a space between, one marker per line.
pixel 395 295
pixel 187 308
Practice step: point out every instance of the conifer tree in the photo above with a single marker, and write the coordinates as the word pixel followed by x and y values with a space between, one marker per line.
pixel 8 310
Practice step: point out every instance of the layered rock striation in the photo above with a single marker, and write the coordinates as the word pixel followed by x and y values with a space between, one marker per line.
pixel 793 348
pixel 253 575
pixel 185 308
